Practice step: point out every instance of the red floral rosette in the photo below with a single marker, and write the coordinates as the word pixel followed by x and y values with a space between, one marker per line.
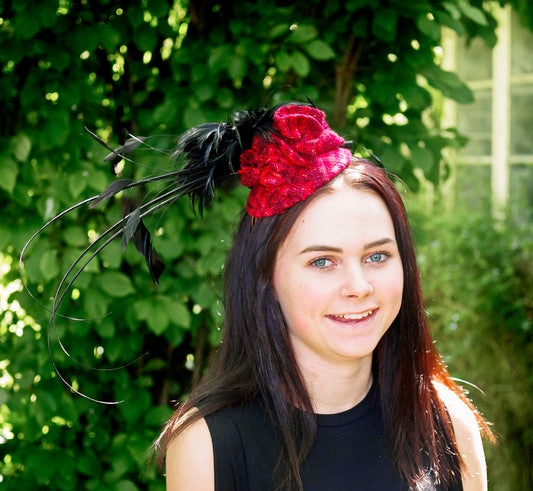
pixel 301 155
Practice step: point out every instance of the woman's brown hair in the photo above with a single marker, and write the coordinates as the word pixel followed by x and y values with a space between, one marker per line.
pixel 255 358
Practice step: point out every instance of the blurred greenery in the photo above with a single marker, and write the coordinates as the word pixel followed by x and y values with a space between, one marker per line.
pixel 157 67
pixel 477 276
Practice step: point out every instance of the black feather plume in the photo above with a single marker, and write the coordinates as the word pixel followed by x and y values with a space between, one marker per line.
pixel 204 157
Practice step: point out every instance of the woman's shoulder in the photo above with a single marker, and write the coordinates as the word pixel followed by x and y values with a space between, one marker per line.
pixel 189 457
pixel 467 437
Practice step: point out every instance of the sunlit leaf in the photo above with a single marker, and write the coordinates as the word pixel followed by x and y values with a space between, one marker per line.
pixel 319 50
pixel 473 13
pixel 300 64
pixel 9 170
pixel 21 147
pixel 49 265
pixel 303 34
pixel 115 284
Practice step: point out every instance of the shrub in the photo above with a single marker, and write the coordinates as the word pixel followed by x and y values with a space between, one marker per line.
pixel 477 276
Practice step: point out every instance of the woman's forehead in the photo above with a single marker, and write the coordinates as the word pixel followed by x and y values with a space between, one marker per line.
pixel 343 217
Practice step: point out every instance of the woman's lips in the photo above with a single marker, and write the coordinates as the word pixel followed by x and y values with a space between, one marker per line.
pixel 353 317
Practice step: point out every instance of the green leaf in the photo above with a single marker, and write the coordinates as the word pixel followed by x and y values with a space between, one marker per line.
pixel 125 485
pixel 391 158
pixel 158 8
pixel 89 464
pixel 26 24
pixel 76 184
pixel 279 30
pixel 134 13
pixel 84 38
pixel 21 147
pixel 283 61
pixel 204 91
pixel 109 37
pixel 225 98
pixel 105 328
pixel 429 27
pixel 60 59
pixel 448 20
pixel 300 64
pixel 303 34
pixel 96 304
pixel 319 50
pixel 157 416
pixel 115 284
pixel 75 236
pixel 133 409
pixel 145 37
pixel 422 158
pixel 218 58
pixel 385 24
pixel 158 319
pixel 237 67
pixel 452 9
pixel 416 97
pixel 449 84
pixel 49 265
pixel 473 13
pixel 9 170
pixel 179 313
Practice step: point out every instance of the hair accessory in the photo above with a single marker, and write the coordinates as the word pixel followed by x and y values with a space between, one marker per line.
pixel 300 155
pixel 283 154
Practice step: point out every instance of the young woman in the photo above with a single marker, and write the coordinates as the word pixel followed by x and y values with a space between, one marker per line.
pixel 327 376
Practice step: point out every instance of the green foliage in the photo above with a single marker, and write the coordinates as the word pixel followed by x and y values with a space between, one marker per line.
pixel 477 275
pixel 158 67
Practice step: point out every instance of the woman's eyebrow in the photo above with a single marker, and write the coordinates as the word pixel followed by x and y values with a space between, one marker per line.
pixel 339 250
pixel 380 242
pixel 321 248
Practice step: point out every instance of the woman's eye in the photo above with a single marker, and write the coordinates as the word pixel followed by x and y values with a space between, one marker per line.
pixel 377 257
pixel 321 262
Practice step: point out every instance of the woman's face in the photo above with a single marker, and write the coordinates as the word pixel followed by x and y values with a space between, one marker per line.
pixel 338 277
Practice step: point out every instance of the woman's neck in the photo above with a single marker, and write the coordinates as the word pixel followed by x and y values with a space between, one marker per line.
pixel 337 388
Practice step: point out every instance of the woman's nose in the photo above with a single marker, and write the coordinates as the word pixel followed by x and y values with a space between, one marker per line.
pixel 356 284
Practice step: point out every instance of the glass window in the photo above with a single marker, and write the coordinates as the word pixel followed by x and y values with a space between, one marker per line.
pixel 475 121
pixel 474 61
pixel 521 48
pixel 522 120
pixel 521 194
pixel 472 185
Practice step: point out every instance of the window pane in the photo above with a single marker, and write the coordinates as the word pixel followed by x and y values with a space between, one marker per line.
pixel 474 62
pixel 474 121
pixel 521 120
pixel 521 194
pixel 472 191
pixel 521 48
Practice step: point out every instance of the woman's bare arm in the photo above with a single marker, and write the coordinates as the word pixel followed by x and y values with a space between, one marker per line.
pixel 468 439
pixel 189 460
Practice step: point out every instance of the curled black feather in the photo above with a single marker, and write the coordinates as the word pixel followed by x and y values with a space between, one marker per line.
pixel 114 188
pixel 211 153
pixel 205 156
pixel 117 155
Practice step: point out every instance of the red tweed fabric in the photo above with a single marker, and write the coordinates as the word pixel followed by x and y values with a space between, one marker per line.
pixel 299 158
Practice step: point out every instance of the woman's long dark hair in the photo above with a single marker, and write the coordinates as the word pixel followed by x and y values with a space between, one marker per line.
pixel 255 358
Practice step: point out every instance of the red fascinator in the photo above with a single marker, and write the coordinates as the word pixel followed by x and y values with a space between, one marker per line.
pixel 289 164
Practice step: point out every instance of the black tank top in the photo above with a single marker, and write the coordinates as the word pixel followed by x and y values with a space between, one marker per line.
pixel 349 452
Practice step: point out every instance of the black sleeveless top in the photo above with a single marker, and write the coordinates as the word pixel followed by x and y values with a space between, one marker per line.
pixel 349 451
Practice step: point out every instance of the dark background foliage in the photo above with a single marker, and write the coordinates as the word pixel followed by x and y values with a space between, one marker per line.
pixel 157 67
